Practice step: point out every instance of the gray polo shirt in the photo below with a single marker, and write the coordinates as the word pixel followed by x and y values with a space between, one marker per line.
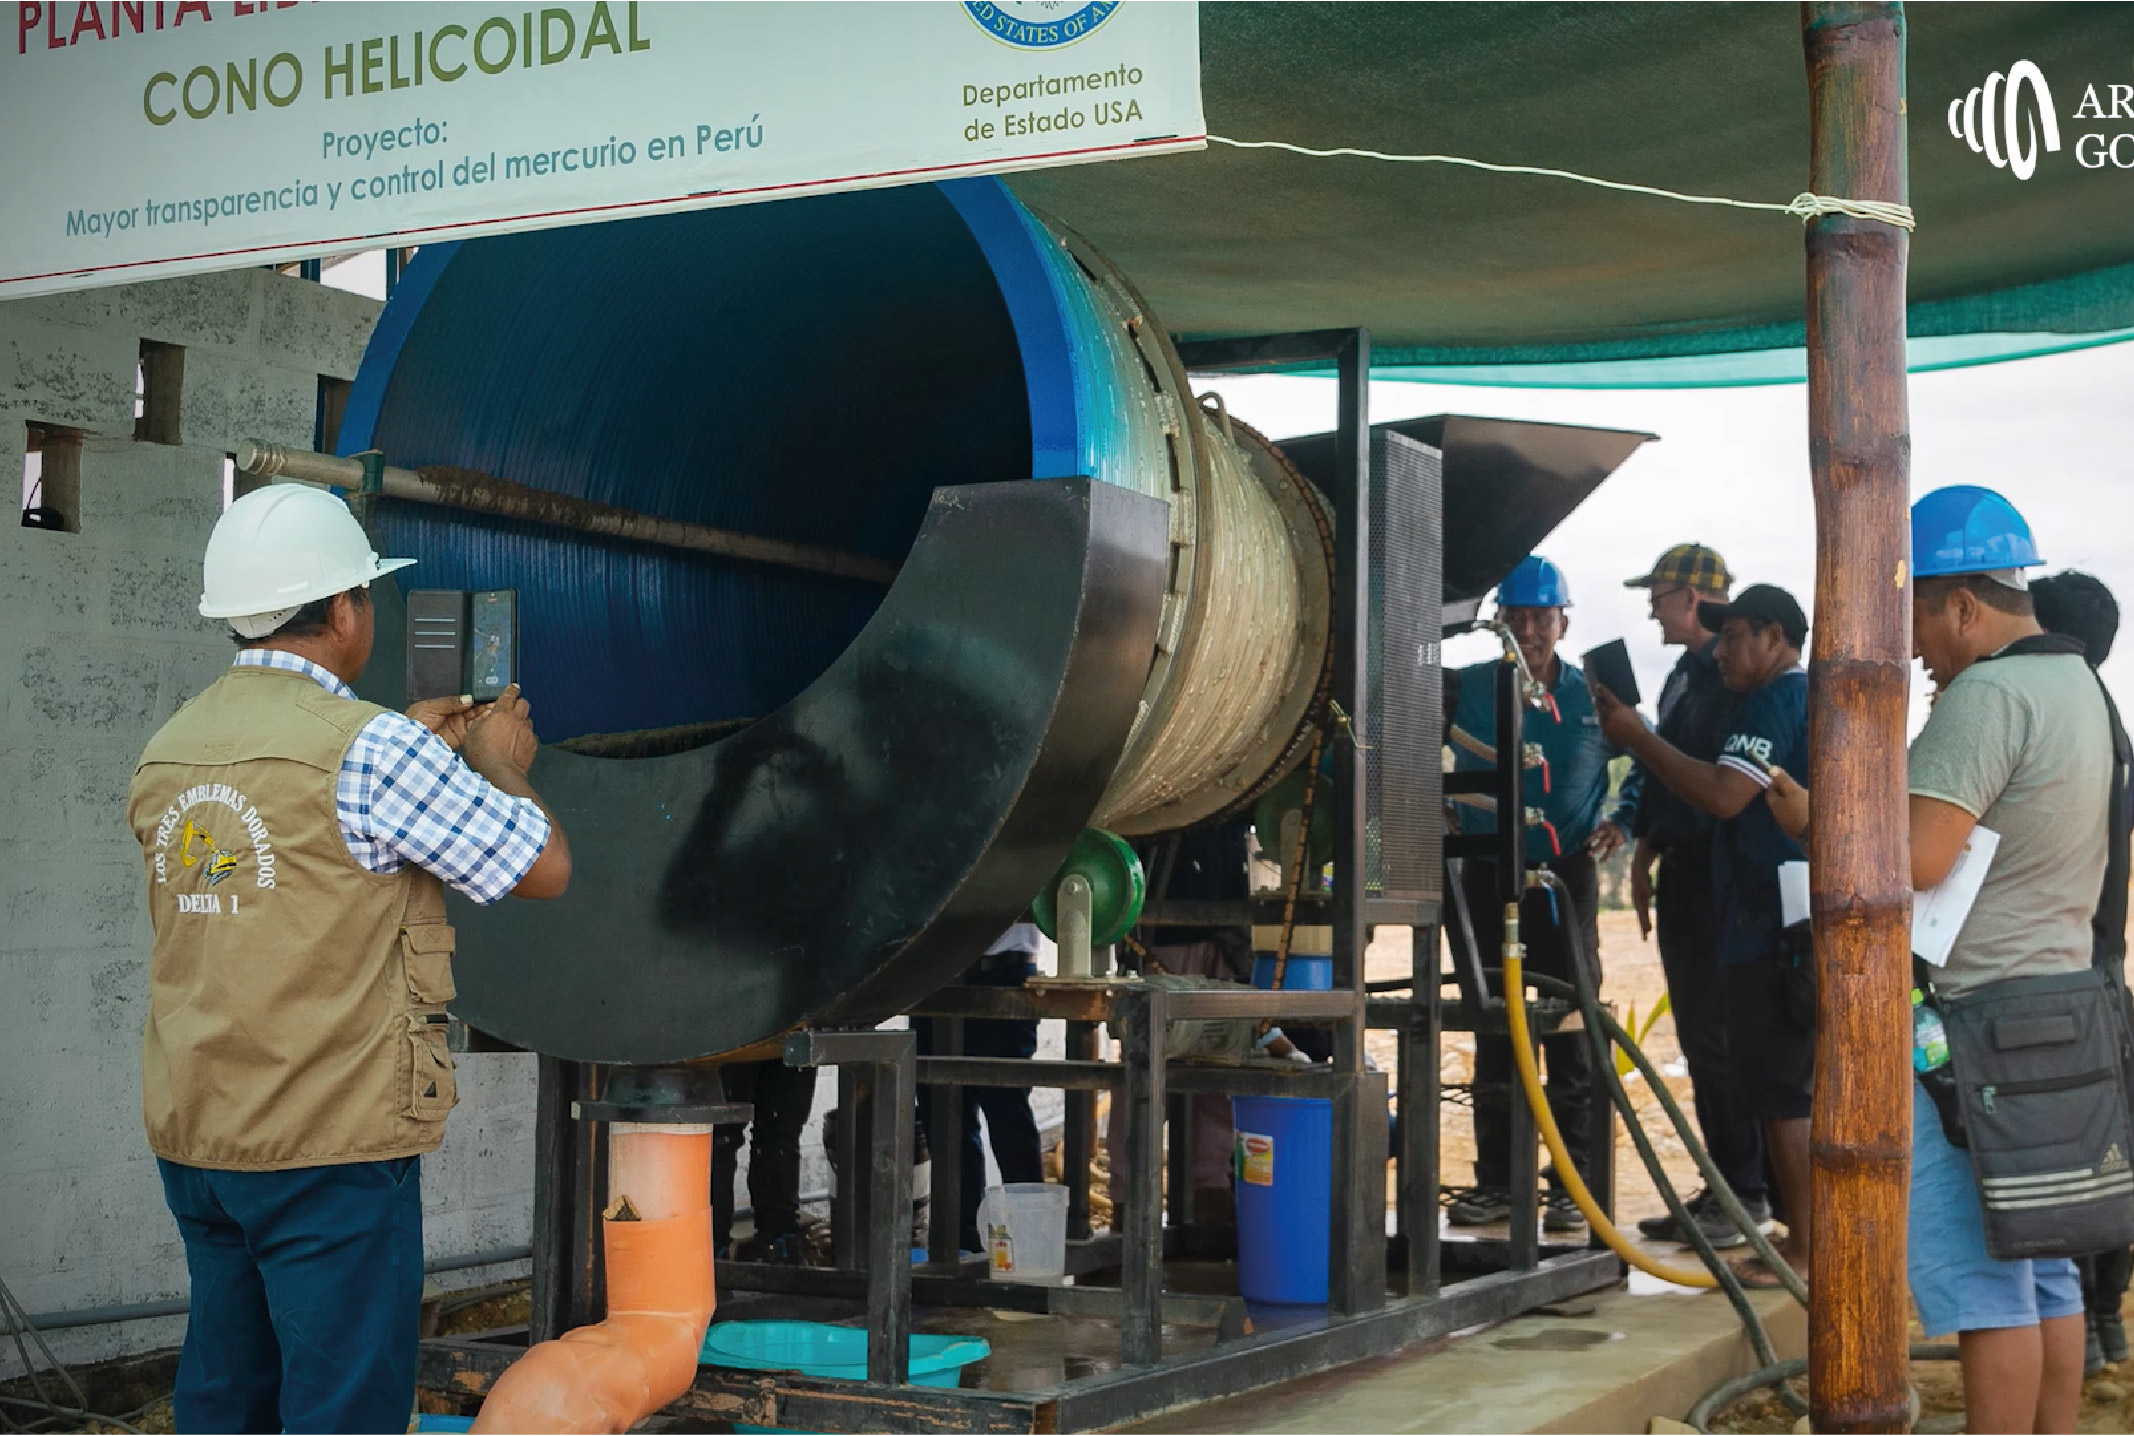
pixel 2023 745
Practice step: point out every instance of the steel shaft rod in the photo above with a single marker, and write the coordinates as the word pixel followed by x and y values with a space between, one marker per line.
pixel 1860 453
pixel 485 493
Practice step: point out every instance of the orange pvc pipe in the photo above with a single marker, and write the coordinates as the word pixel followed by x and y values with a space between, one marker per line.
pixel 613 1374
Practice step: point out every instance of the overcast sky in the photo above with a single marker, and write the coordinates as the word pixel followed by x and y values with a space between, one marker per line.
pixel 2055 434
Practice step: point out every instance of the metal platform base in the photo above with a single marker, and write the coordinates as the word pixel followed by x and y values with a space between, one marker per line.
pixel 1154 1346
pixel 1231 1365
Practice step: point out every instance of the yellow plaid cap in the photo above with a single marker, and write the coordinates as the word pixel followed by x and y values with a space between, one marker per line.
pixel 1690 564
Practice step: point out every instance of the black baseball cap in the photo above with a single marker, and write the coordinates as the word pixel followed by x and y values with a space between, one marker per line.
pixel 1760 603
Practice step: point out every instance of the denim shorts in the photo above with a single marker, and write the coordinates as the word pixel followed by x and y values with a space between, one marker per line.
pixel 1955 1284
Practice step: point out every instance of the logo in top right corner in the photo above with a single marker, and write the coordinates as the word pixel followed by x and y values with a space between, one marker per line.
pixel 2011 120
pixel 1986 119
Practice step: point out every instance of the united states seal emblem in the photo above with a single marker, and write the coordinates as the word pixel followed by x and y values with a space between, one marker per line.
pixel 1039 24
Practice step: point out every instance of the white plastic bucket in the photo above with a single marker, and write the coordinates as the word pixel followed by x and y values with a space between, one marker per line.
pixel 1024 1225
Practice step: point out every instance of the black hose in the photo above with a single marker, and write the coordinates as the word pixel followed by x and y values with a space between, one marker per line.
pixel 1605 1033
pixel 1727 1393
pixel 19 1326
pixel 1715 1183
pixel 1590 1011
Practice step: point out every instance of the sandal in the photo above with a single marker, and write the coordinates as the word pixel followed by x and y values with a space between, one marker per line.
pixel 1756 1276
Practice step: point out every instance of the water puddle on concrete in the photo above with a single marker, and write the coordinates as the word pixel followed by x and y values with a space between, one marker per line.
pixel 1564 1338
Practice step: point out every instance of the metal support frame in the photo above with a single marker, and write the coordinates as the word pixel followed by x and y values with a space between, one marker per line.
pixel 882 1092
pixel 570 1172
pixel 1509 862
pixel 1422 1017
pixel 944 1121
pixel 1078 1142
pixel 1416 1204
pixel 877 1073
pixel 878 1070
pixel 1141 1026
pixel 874 1156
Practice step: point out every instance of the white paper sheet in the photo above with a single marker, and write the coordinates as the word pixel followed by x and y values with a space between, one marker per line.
pixel 1938 914
pixel 1792 893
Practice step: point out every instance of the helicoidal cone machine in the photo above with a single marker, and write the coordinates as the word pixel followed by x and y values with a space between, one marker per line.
pixel 1018 582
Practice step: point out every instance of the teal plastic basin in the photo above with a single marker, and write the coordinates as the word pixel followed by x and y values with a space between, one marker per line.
pixel 836 1352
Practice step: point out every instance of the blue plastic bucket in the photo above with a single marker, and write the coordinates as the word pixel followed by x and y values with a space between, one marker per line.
pixel 1285 1193
pixel 428 1421
pixel 1284 1171
pixel 1303 974
pixel 838 1352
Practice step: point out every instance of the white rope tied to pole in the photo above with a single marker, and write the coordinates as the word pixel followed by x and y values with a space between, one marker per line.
pixel 1804 206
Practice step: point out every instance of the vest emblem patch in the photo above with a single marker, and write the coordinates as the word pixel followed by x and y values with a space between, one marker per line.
pixel 220 862
pixel 192 831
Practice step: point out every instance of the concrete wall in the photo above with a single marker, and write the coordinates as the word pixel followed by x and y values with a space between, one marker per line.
pixel 99 643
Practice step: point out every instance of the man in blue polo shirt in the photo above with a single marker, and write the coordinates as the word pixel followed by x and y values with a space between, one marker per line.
pixel 1570 794
pixel 1770 1042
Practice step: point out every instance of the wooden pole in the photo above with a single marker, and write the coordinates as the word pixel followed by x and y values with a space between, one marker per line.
pixel 1858 683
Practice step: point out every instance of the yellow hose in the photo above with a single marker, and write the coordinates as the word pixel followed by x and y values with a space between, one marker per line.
pixel 1530 1081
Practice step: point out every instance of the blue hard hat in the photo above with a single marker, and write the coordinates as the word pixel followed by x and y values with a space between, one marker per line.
pixel 1968 529
pixel 1536 583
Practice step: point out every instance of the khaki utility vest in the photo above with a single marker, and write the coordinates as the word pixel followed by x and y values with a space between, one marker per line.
pixel 296 1001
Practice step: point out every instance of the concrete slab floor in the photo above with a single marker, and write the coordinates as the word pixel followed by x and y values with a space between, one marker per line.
pixel 1610 1361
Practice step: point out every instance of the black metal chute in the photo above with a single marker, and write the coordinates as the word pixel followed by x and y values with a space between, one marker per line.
pixel 1508 484
pixel 843 857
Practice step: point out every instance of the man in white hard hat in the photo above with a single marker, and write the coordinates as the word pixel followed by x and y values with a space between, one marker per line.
pixel 294 1067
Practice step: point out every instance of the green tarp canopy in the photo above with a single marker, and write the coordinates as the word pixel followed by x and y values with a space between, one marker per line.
pixel 1458 273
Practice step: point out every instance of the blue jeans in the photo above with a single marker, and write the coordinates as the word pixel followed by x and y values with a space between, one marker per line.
pixel 306 1294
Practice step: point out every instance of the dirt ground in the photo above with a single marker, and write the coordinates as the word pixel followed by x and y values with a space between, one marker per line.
pixel 2107 1401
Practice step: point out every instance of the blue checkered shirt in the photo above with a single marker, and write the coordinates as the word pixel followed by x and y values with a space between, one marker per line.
pixel 404 797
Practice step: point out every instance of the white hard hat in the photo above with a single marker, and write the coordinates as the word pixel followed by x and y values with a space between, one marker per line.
pixel 279 548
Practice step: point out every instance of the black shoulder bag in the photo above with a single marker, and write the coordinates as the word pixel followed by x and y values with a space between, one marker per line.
pixel 2042 1068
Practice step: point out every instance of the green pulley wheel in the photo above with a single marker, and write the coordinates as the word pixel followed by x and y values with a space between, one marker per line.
pixel 1116 887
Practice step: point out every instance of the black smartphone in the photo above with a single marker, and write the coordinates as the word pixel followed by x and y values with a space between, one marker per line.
pixel 460 642
pixel 1609 666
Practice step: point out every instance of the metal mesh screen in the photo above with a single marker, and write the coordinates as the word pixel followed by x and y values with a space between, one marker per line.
pixel 1403 784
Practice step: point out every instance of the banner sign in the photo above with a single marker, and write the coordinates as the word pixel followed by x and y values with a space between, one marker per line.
pixel 157 137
